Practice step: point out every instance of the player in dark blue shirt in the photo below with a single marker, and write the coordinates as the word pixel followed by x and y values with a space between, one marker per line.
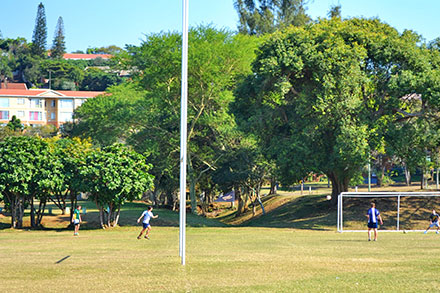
pixel 434 221
pixel 373 215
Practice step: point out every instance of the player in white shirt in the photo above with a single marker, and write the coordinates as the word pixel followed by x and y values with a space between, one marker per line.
pixel 147 215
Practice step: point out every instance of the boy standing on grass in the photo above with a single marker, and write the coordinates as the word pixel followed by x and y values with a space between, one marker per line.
pixel 373 215
pixel 76 219
pixel 433 218
pixel 147 215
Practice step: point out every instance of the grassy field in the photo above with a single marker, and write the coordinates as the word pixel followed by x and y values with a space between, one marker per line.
pixel 245 259
pixel 292 248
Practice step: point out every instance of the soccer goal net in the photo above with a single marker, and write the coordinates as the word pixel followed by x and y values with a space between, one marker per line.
pixel 400 211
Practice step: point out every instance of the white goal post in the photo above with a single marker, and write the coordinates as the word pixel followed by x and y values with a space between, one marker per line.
pixel 397 195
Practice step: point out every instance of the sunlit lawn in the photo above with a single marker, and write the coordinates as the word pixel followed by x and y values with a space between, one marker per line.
pixel 247 259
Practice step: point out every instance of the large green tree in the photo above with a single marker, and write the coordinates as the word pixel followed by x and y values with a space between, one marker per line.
pixel 109 118
pixel 259 17
pixel 216 61
pixel 319 95
pixel 28 170
pixel 39 37
pixel 114 175
pixel 64 76
pixel 96 79
pixel 72 154
pixel 59 44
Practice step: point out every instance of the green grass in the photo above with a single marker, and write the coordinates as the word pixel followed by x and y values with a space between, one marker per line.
pixel 245 259
pixel 293 248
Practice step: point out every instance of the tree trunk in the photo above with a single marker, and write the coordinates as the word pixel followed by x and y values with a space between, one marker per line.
pixel 101 217
pixel 20 214
pixel 175 200
pixel 118 213
pixel 407 176
pixel 63 209
pixel 273 186
pixel 339 185
pixel 41 208
pixel 382 175
pixel 13 202
pixel 239 199
pixel 246 199
pixel 154 196
pixel 422 180
pixel 192 195
pixel 32 212
pixel 73 202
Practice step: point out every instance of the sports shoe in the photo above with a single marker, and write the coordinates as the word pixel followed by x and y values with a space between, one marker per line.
pixel 436 232
pixel 146 237
pixel 369 239
pixel 425 232
pixel 139 237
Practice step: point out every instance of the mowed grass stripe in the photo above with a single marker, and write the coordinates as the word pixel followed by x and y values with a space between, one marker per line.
pixel 220 259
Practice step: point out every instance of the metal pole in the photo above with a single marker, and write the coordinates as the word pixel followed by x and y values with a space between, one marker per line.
pixel 339 209
pixel 342 217
pixel 398 212
pixel 436 179
pixel 369 175
pixel 183 131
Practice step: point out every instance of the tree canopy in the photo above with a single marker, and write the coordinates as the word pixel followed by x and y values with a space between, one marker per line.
pixel 258 17
pixel 39 38
pixel 320 94
pixel 59 44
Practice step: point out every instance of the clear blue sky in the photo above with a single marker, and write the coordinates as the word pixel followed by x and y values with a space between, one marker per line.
pixel 96 23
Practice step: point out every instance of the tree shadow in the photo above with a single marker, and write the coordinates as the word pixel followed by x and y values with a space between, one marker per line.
pixel 130 212
pixel 311 212
pixel 413 212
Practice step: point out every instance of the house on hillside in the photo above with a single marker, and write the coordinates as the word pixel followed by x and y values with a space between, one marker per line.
pixel 75 56
pixel 15 86
pixel 41 106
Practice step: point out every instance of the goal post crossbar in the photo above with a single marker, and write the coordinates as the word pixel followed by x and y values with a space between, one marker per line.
pixel 397 195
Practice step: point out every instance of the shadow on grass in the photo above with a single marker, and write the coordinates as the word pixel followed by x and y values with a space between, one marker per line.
pixel 414 212
pixel 130 212
pixel 311 212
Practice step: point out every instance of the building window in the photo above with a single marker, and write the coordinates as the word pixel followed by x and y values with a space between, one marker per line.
pixel 66 104
pixel 65 116
pixel 4 102
pixel 20 113
pixel 4 115
pixel 53 115
pixel 20 101
pixel 35 116
pixel 53 103
pixel 79 102
pixel 36 103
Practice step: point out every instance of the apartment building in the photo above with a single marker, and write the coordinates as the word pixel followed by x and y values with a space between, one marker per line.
pixel 41 106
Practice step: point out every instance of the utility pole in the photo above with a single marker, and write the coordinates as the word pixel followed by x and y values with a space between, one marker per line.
pixel 369 175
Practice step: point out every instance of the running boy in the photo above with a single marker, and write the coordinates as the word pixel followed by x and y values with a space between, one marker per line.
pixel 147 215
pixel 76 219
pixel 433 218
pixel 373 215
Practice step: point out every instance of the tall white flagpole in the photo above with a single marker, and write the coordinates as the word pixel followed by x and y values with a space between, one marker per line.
pixel 183 132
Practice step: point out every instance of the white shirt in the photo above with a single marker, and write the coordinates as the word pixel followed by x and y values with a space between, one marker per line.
pixel 147 216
